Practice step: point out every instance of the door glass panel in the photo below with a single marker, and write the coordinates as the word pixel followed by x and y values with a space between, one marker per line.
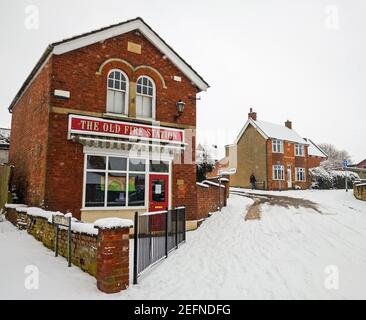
pixel 116 190
pixel 158 190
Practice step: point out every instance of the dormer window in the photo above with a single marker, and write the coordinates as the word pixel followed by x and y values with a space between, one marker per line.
pixel 277 146
pixel 299 150
pixel 117 92
pixel 145 98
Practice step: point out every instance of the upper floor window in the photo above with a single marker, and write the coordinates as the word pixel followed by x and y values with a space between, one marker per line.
pixel 117 92
pixel 145 98
pixel 299 150
pixel 277 146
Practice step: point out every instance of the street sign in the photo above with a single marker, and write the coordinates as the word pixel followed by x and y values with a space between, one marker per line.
pixel 61 220
pixel 345 163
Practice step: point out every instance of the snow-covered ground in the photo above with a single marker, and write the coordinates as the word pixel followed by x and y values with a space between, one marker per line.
pixel 288 254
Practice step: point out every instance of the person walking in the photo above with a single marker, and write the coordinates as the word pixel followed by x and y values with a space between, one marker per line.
pixel 253 181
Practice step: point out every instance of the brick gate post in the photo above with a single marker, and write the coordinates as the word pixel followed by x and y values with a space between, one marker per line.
pixel 112 255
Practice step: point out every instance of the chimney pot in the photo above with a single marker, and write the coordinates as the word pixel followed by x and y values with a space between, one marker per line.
pixel 288 124
pixel 252 115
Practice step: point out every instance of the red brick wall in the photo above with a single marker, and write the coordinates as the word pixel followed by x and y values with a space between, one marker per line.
pixel 285 159
pixel 28 145
pixel 208 200
pixel 49 168
pixel 76 71
pixel 65 169
pixel 314 162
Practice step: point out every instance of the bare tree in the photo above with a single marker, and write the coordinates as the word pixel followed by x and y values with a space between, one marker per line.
pixel 335 156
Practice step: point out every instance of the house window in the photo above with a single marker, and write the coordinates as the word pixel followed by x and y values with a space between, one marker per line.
pixel 117 92
pixel 299 150
pixel 300 174
pixel 114 181
pixel 145 98
pixel 278 172
pixel 277 146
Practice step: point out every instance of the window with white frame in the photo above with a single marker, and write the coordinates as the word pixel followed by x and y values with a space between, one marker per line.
pixel 277 146
pixel 145 98
pixel 112 181
pixel 116 181
pixel 278 172
pixel 300 174
pixel 117 92
pixel 299 150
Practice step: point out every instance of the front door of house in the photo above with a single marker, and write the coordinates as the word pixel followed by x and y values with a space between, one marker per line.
pixel 158 192
pixel 289 177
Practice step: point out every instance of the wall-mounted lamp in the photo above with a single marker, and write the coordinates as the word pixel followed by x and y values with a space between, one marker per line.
pixel 180 107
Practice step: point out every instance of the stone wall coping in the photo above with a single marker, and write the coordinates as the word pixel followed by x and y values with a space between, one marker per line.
pixel 14 205
pixel 213 183
pixel 113 223
pixel 76 226
pixel 202 185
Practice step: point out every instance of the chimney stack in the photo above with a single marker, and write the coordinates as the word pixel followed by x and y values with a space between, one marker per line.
pixel 252 115
pixel 288 124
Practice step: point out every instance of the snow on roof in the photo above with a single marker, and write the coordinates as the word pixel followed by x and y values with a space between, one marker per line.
pixel 4 136
pixel 315 150
pixel 280 132
pixel 272 130
pixel 113 223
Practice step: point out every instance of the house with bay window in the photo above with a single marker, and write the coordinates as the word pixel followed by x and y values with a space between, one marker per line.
pixel 277 155
pixel 105 124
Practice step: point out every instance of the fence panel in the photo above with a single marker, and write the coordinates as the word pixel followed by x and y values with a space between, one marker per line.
pixel 156 234
pixel 5 171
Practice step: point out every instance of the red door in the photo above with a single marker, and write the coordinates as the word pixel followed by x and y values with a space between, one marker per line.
pixel 158 192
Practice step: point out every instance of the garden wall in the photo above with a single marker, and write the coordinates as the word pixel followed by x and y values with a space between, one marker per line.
pixel 100 249
pixel 359 191
pixel 209 196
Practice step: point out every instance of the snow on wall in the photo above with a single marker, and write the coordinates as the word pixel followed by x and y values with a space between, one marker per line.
pixel 113 223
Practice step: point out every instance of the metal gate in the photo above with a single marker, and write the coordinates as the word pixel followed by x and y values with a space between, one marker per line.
pixel 155 235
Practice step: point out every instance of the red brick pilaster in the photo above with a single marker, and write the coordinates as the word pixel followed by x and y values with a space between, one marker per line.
pixel 113 259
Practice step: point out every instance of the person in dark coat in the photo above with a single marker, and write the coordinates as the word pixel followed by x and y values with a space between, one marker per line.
pixel 253 181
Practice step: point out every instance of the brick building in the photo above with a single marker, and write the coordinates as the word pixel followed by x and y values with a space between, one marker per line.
pixel 277 155
pixel 105 126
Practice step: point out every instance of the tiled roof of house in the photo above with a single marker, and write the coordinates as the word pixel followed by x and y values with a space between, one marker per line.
pixel 274 131
pixel 314 150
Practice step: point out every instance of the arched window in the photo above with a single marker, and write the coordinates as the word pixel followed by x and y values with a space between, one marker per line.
pixel 145 98
pixel 117 92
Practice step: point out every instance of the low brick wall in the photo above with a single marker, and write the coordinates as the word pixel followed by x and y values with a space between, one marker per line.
pixel 208 197
pixel 359 191
pixel 103 253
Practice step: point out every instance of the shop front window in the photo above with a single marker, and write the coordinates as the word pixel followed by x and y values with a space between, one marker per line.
pixel 159 166
pixel 115 182
pixel 136 190
pixel 94 191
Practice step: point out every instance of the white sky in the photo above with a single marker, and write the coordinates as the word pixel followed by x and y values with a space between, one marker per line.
pixel 302 60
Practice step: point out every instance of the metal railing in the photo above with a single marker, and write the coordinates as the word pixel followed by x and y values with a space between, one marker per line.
pixel 155 235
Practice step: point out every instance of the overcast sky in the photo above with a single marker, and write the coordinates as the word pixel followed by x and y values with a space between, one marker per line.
pixel 302 60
